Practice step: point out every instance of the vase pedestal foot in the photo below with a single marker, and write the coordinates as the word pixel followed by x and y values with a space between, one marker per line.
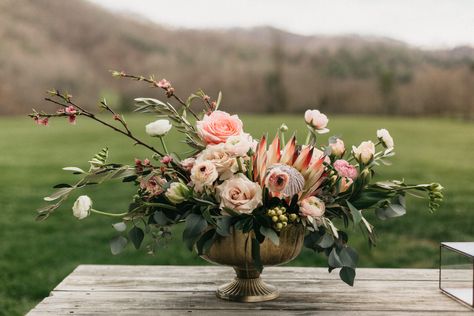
pixel 247 287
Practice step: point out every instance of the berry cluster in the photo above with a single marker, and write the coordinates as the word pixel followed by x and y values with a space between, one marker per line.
pixel 280 217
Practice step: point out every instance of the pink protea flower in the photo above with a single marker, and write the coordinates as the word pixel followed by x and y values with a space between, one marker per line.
pixel 345 169
pixel 163 83
pixel 284 180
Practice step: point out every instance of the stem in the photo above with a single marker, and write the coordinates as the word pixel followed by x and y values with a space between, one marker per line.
pixel 308 137
pixel 108 214
pixel 162 205
pixel 163 144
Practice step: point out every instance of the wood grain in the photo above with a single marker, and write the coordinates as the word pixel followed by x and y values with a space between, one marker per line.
pixel 189 290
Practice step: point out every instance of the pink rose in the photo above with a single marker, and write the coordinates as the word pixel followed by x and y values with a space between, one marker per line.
pixel 239 194
pixel 345 169
pixel 312 206
pixel 216 127
pixel 188 163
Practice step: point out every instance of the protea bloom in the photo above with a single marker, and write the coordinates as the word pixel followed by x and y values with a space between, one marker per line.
pixel 289 171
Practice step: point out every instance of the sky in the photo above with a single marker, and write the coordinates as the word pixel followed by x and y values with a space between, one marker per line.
pixel 423 23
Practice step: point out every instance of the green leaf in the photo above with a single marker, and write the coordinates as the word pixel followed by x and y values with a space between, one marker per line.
pixel 205 241
pixel 120 227
pixel 271 234
pixel 195 225
pixel 62 185
pixel 334 261
pixel 326 241
pixel 117 244
pixel 256 255
pixel 74 169
pixel 347 275
pixel 160 218
pixel 136 235
pixel 390 211
pixel 223 225
pixel 58 194
pixel 348 257
pixel 356 214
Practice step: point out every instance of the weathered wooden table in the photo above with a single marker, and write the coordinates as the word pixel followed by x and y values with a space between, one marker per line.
pixel 189 290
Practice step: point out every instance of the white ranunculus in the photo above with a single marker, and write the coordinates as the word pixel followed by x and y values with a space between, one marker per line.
pixel 317 120
pixel 365 152
pixel 312 207
pixel 240 145
pixel 82 207
pixel 224 161
pixel 158 128
pixel 239 194
pixel 384 136
pixel 177 192
pixel 203 174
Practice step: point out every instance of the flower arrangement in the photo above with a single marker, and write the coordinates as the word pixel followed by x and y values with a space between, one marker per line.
pixel 230 180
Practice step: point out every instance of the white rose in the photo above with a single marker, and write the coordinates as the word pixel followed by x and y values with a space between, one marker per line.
pixel 158 128
pixel 337 148
pixel 203 174
pixel 240 145
pixel 384 136
pixel 239 194
pixel 82 207
pixel 177 192
pixel 365 152
pixel 317 120
pixel 224 162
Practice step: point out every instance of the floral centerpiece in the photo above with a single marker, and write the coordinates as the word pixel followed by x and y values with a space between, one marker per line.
pixel 245 202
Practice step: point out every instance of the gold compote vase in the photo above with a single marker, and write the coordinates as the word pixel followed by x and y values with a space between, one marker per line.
pixel 235 250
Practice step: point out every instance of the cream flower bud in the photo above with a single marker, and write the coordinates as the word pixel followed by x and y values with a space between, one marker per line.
pixel 158 128
pixel 365 152
pixel 384 136
pixel 82 207
pixel 317 120
pixel 337 148
pixel 177 192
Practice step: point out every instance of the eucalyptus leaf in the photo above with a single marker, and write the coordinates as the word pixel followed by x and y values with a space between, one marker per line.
pixel 74 169
pixel 333 260
pixel 136 235
pixel 223 225
pixel 120 227
pixel 271 234
pixel 117 244
pixel 347 274
pixel 58 194
pixel 356 214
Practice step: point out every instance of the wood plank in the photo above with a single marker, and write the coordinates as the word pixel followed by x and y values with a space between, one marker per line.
pixel 145 302
pixel 178 290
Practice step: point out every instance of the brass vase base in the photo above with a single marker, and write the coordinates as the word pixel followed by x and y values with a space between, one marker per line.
pixel 247 287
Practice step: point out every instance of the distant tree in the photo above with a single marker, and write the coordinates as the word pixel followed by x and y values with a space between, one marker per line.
pixel 274 84
pixel 386 81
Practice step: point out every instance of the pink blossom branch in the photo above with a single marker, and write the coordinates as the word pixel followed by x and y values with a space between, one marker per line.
pixel 67 100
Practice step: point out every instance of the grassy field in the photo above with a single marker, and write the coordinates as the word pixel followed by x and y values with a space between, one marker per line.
pixel 34 257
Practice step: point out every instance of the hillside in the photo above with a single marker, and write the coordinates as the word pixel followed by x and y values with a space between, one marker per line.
pixel 72 45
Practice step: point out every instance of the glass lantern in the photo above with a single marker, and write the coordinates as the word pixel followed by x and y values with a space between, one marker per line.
pixel 456 271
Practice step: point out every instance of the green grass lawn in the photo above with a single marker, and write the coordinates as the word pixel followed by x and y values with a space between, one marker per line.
pixel 34 256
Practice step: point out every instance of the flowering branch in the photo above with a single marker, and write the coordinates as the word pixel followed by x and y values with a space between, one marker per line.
pixel 68 103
